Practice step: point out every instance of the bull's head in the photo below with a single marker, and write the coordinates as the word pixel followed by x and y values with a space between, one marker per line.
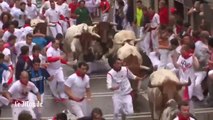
pixel 125 36
pixel 106 31
pixel 169 87
pixel 89 40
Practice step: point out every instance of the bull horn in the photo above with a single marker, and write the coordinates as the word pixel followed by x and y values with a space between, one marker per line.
pixel 186 84
pixel 96 35
pixel 94 23
pixel 112 23
pixel 144 67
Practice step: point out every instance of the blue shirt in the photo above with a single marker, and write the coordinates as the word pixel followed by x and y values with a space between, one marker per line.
pixel 41 41
pixel 38 77
pixel 2 68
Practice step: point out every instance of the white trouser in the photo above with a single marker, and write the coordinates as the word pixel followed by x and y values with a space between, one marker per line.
pixel 140 32
pixel 148 36
pixel 3 101
pixel 17 110
pixel 33 98
pixel 104 17
pixel 39 105
pixel 80 109
pixel 154 59
pixel 57 84
pixel 163 57
pixel 122 105
pixel 64 26
pixel 56 29
pixel 198 92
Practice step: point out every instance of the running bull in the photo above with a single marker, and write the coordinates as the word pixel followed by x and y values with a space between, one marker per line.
pixel 83 42
pixel 163 86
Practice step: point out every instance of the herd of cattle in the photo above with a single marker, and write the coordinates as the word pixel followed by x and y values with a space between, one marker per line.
pixel 91 43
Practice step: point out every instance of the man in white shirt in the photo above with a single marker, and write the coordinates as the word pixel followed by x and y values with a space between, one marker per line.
pixel 150 42
pixel 55 69
pixel 187 63
pixel 44 7
pixel 164 50
pixel 76 87
pixel 118 81
pixel 18 95
pixel 26 29
pixel 53 16
pixel 31 10
pixel 18 12
pixel 6 53
pixel 201 52
pixel 12 30
pixel 28 43
pixel 4 6
pixel 64 10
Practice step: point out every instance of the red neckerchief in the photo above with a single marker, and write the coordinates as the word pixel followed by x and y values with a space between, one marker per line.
pixel 1 49
pixel 26 58
pixel 26 25
pixel 181 117
pixel 187 55
pixel 7 45
pixel 79 74
pixel 23 83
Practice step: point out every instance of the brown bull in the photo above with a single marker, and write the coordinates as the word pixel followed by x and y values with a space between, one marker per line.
pixel 136 63
pixel 89 44
pixel 164 89
pixel 106 31
pixel 42 28
pixel 133 64
pixel 83 43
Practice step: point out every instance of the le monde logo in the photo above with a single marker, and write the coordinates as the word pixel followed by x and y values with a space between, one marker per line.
pixel 28 104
